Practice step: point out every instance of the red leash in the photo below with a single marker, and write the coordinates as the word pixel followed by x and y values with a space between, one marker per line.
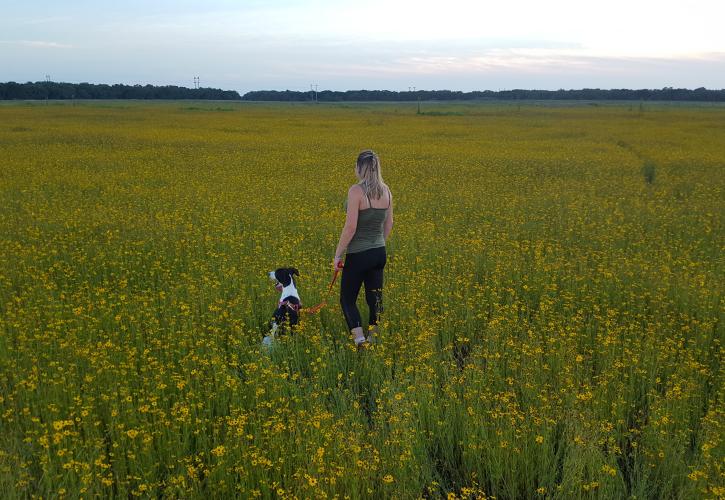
pixel 316 309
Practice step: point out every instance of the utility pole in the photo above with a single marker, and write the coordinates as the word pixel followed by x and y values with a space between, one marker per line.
pixel 413 89
pixel 196 82
pixel 313 93
pixel 47 89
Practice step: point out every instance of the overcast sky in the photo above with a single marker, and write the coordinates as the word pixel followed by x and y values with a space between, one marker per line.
pixel 371 44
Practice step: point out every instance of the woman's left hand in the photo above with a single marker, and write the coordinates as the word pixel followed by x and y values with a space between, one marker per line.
pixel 336 263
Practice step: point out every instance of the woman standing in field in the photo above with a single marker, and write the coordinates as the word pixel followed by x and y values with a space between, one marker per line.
pixel 368 224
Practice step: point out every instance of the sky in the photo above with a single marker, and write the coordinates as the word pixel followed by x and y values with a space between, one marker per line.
pixel 373 44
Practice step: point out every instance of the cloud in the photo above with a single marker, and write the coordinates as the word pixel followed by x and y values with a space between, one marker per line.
pixel 44 20
pixel 524 60
pixel 37 44
pixel 342 44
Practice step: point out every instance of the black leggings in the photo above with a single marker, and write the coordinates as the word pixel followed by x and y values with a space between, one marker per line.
pixel 362 267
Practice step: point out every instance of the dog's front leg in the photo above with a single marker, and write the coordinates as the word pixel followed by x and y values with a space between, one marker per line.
pixel 269 338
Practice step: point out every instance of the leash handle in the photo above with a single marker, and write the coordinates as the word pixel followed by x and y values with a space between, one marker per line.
pixel 315 309
pixel 334 277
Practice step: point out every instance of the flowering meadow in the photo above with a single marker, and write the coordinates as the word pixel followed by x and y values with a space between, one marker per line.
pixel 553 323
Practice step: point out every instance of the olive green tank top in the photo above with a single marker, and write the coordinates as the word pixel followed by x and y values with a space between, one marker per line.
pixel 369 232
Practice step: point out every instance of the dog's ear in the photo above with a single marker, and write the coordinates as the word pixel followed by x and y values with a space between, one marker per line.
pixel 283 276
pixel 293 270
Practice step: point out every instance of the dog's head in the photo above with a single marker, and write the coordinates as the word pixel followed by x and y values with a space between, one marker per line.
pixel 283 277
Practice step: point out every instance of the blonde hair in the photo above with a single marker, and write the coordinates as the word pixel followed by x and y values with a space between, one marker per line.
pixel 368 169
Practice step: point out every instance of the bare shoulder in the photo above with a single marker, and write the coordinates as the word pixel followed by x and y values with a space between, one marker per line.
pixel 355 191
pixel 390 192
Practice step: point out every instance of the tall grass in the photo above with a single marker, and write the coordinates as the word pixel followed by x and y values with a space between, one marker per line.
pixel 649 171
pixel 552 325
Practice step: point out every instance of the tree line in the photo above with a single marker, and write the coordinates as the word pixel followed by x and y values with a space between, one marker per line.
pixel 664 94
pixel 58 90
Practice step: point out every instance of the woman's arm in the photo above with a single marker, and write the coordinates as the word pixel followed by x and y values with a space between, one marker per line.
pixel 388 225
pixel 354 195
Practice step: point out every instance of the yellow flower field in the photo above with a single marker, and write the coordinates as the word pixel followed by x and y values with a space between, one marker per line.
pixel 553 317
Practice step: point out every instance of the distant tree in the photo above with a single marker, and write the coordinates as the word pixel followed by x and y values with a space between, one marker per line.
pixel 58 90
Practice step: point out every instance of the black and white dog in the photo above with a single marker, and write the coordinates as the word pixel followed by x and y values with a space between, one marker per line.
pixel 287 313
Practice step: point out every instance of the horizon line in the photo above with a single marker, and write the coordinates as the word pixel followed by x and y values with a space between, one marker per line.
pixel 279 89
